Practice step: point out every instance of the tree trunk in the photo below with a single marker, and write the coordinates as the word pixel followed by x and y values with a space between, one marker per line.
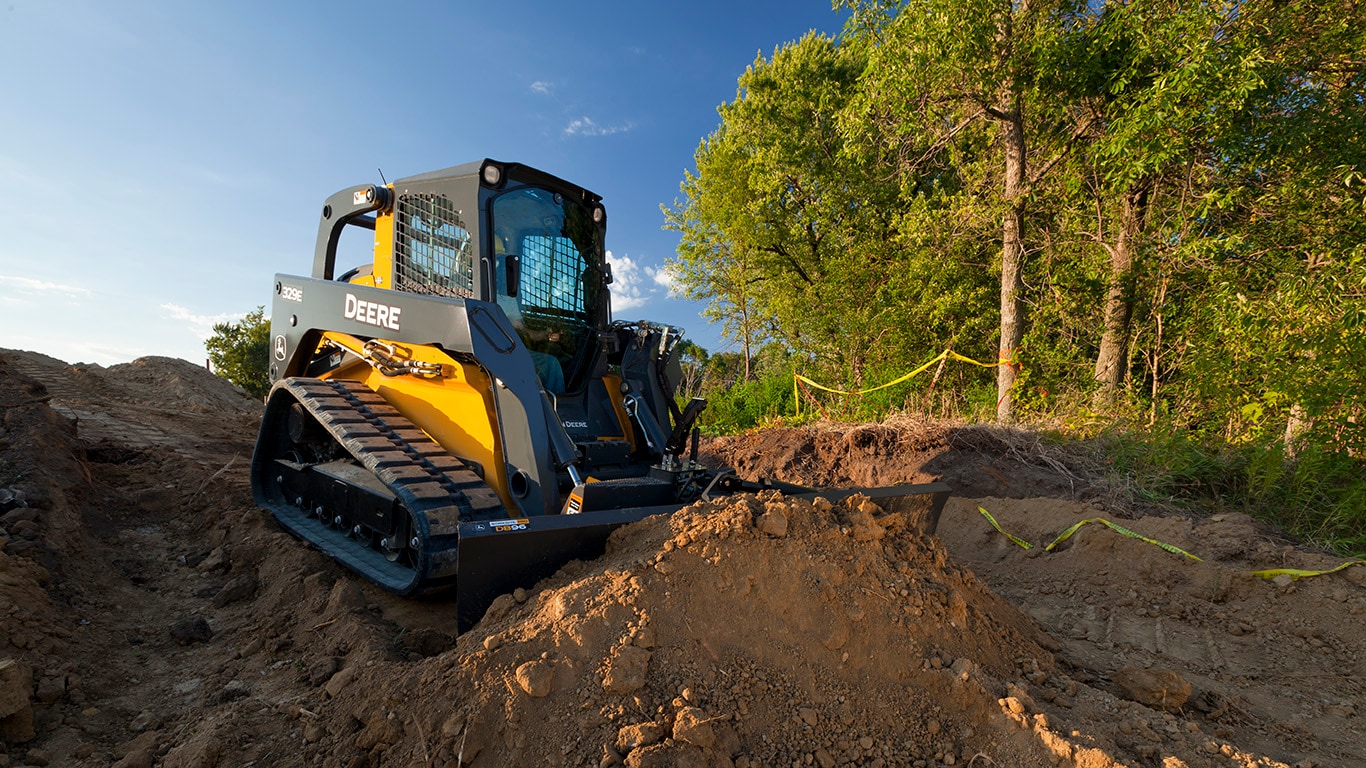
pixel 1012 255
pixel 1296 425
pixel 1112 360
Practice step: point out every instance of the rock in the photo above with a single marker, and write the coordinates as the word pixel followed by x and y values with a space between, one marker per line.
pixel 38 757
pixel 142 722
pixel 639 735
pixel 313 731
pixel 234 690
pixel 610 758
pixel 339 681
pixel 535 678
pixel 18 727
pixel 453 726
pixel 251 649
pixel 692 726
pixel 492 642
pixel 345 597
pixel 773 521
pixel 670 755
pixel 51 689
pixel 323 669
pixel 379 732
pixel 808 716
pixel 217 560
pixel 866 527
pixel 18 546
pixel 16 683
pixel 190 630
pixel 138 753
pixel 626 669
pixel 26 528
pixel 962 666
pixel 21 514
pixel 236 590
pixel 1159 688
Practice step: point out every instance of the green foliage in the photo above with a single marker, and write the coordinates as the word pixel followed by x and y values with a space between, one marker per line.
pixel 735 404
pixel 1193 217
pixel 1318 496
pixel 240 352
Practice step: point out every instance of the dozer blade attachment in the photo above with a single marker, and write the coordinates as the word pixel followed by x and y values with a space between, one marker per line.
pixel 497 556
pixel 922 502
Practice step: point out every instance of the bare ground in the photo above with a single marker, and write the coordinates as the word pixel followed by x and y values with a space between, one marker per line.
pixel 151 616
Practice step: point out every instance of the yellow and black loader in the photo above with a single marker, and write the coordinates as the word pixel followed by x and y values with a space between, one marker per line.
pixel 462 413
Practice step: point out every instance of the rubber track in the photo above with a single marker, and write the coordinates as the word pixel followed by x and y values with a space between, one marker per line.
pixel 437 489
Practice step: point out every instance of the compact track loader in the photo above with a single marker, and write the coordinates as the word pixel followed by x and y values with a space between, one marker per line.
pixel 462 413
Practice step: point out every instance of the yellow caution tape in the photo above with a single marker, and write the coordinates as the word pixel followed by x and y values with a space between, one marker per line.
pixel 1297 574
pixel 1270 573
pixel 1016 539
pixel 1122 530
pixel 947 354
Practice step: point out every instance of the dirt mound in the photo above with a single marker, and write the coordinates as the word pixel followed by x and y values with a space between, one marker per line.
pixel 178 384
pixel 757 630
pixel 976 460
pixel 153 617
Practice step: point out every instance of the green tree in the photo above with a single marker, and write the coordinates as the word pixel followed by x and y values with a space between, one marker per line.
pixel 777 229
pixel 240 352
pixel 692 364
pixel 794 236
pixel 939 69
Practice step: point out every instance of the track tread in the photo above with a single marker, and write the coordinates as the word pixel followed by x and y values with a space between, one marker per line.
pixel 437 489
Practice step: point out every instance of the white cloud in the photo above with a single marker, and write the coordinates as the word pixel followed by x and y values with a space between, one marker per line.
pixel 665 277
pixel 541 86
pixel 45 287
pixel 585 126
pixel 200 325
pixel 628 283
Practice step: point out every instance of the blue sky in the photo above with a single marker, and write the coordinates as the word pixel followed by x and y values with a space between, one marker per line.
pixel 160 161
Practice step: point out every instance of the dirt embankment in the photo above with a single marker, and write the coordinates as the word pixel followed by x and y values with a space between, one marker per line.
pixel 150 616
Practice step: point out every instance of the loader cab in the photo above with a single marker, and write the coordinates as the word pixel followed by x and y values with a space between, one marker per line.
pixel 549 279
pixel 498 232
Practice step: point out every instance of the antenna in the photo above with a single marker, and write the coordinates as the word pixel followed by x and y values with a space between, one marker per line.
pixel 381 176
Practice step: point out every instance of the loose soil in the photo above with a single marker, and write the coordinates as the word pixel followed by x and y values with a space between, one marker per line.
pixel 150 615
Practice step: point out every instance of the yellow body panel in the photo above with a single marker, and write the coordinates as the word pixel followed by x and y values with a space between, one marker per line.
pixel 382 275
pixel 613 383
pixel 455 409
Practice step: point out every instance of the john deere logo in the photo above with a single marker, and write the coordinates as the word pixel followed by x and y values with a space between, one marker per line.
pixel 280 348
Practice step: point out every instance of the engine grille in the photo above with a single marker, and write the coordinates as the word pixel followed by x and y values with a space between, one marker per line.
pixel 432 250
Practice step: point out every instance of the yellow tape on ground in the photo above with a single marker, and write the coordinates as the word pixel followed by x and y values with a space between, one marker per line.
pixel 946 354
pixel 1297 574
pixel 1269 573
pixel 1016 539
pixel 1121 530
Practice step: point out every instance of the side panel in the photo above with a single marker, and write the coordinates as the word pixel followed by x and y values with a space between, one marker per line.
pixel 305 308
